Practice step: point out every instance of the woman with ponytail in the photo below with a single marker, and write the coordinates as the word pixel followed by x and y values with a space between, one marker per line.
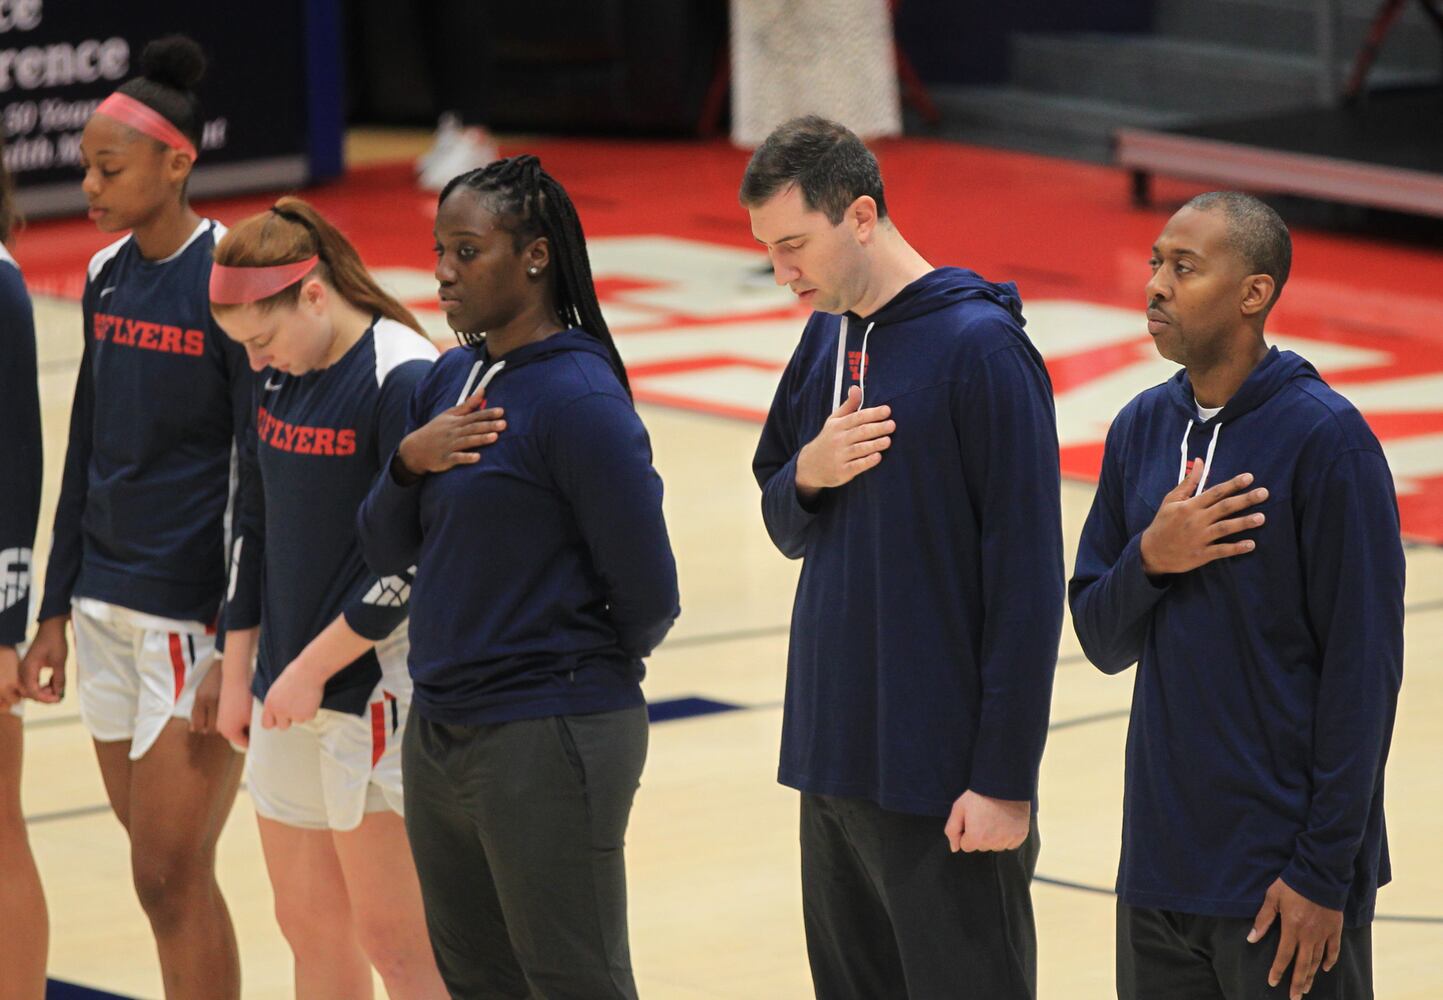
pixel 137 562
pixel 543 577
pixel 322 716
pixel 24 942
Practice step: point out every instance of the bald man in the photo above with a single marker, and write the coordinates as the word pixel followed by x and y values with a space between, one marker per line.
pixel 1243 550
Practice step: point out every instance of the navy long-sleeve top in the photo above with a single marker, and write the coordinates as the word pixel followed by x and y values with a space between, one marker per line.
pixel 926 624
pixel 315 444
pixel 160 399
pixel 1267 682
pixel 543 572
pixel 21 453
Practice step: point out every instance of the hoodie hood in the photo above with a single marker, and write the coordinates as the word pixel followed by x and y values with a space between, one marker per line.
pixel 937 290
pixel 484 370
pixel 941 289
pixel 1276 370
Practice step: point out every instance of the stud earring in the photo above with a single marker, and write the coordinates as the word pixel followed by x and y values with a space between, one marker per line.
pixel 532 269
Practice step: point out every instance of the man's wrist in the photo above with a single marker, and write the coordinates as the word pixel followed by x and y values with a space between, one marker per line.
pixel 1313 890
pixel 807 488
pixel 1148 561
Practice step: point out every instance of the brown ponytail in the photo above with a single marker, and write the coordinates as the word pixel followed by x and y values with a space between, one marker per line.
pixel 291 231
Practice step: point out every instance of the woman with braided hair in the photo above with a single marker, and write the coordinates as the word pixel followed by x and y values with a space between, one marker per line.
pixel 543 577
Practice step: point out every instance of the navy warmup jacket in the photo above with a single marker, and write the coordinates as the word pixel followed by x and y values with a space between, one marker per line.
pixel 927 617
pixel 1267 682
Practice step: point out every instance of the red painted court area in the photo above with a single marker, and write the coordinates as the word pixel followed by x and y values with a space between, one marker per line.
pixel 702 327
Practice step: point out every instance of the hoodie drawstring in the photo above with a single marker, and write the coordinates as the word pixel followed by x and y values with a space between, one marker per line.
pixel 1207 462
pixel 842 364
pixel 862 380
pixel 485 379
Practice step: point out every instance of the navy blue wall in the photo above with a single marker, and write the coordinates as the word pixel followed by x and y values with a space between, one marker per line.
pixel 965 41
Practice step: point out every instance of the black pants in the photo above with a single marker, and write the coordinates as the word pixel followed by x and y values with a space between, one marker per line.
pixel 892 914
pixel 517 830
pixel 1163 955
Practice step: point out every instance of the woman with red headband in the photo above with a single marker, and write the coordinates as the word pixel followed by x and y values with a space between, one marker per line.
pixel 323 714
pixel 138 560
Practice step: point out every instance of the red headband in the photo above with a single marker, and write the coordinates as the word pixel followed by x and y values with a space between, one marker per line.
pixel 236 286
pixel 143 118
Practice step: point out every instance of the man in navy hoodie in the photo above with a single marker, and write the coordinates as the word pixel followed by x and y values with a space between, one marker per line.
pixel 910 458
pixel 1243 550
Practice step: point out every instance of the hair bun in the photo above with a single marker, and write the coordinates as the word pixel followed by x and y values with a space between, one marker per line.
pixel 174 61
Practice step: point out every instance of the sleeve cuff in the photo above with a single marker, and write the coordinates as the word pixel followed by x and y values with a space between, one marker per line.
pixel 369 626
pixel 1304 879
pixel 398 474
pixel 240 619
pixel 1005 764
pixel 1141 591
pixel 53 607
pixel 1000 787
pixel 787 519
pixel 786 481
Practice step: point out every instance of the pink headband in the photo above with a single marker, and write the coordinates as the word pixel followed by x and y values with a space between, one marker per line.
pixel 235 286
pixel 143 118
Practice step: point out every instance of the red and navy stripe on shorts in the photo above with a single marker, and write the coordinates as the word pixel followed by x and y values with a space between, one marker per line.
pixel 388 705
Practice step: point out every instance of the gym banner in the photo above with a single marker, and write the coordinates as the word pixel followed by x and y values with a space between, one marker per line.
pixel 60 58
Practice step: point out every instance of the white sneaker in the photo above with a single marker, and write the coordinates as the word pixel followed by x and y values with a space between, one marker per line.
pixel 447 126
pixel 457 150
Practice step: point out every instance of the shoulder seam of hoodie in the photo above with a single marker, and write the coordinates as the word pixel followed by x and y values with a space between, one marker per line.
pixel 964 379
pixel 591 386
pixel 568 404
pixel 548 434
pixel 1351 450
pixel 1333 417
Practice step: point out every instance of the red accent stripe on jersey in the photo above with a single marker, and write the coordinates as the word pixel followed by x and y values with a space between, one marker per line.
pixel 177 664
pixel 378 731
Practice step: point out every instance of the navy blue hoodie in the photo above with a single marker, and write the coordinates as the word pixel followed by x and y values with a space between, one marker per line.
pixel 1267 682
pixel 160 398
pixel 927 617
pixel 543 572
pixel 316 444
pixel 21 455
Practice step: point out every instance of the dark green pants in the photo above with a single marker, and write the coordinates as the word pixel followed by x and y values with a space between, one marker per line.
pixel 518 831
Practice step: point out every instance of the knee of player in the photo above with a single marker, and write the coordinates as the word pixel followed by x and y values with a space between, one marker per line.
pixel 168 881
pixel 393 948
pixel 313 924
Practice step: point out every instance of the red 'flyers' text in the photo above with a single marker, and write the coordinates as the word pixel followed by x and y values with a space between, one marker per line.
pixel 149 336
pixel 304 440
